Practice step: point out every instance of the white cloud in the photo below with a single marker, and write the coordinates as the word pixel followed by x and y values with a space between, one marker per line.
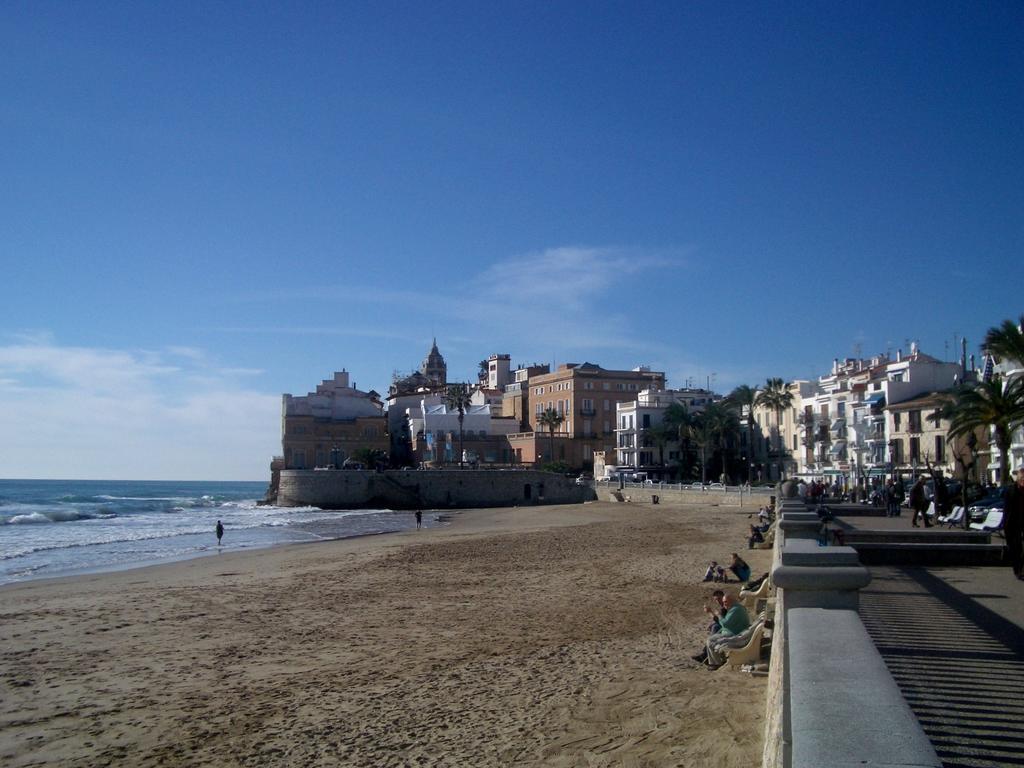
pixel 76 412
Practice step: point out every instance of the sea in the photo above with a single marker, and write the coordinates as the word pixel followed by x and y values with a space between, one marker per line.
pixel 54 528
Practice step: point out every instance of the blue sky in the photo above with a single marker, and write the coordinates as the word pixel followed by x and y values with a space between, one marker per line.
pixel 205 205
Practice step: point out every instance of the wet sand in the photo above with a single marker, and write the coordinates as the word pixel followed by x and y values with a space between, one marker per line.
pixel 555 636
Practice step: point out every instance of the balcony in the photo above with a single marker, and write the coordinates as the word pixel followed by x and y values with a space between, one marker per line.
pixel 584 411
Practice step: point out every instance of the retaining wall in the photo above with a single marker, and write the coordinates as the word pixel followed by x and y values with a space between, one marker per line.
pixel 732 496
pixel 831 700
pixel 435 489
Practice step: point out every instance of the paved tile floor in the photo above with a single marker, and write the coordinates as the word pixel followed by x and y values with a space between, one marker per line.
pixel 953 639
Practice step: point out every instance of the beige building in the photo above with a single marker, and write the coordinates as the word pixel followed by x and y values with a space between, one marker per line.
pixel 917 438
pixel 325 427
pixel 585 395
pixel 778 442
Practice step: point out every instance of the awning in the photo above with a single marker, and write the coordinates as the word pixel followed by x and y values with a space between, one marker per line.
pixel 876 400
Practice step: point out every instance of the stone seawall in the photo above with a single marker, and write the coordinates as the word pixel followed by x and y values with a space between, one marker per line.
pixel 434 489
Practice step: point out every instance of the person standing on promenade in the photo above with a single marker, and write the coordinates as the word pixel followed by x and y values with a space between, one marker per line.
pixel 919 503
pixel 889 496
pixel 220 532
pixel 1013 524
pixel 419 519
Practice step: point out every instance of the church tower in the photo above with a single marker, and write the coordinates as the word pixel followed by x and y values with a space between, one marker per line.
pixel 434 367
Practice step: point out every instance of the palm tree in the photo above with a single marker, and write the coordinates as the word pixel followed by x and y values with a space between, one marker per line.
pixel 551 419
pixel 661 435
pixel 776 397
pixel 988 404
pixel 684 423
pixel 369 457
pixel 1006 341
pixel 743 397
pixel 725 428
pixel 457 398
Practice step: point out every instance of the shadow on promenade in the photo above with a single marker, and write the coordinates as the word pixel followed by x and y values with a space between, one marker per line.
pixel 959 664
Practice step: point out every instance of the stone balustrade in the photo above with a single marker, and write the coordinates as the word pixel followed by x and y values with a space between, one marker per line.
pixel 831 699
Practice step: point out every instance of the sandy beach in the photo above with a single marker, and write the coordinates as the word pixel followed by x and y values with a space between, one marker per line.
pixel 554 636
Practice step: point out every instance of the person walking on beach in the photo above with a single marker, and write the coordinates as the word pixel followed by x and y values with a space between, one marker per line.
pixel 220 532
pixel 1013 524
pixel 419 519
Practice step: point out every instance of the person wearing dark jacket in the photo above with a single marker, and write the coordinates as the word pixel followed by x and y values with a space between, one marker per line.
pixel 919 503
pixel 1013 524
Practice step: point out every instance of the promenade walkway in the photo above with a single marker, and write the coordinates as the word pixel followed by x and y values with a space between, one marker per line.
pixel 953 639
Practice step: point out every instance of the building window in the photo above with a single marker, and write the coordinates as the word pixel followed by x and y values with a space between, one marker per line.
pixel 588 385
pixel 647 420
pixel 897 421
pixel 620 386
pixel 539 409
pixel 298 458
pixel 606 386
pixel 940 450
pixel 632 387
pixel 914 421
pixel 915 449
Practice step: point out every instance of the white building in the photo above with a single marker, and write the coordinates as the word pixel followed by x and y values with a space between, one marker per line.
pixel 844 434
pixel 334 399
pixel 637 450
pixel 435 431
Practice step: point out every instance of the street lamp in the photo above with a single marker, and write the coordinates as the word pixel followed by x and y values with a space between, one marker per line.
pixel 892 459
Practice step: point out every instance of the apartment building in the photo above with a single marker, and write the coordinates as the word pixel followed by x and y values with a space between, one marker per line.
pixel 635 445
pixel 775 446
pixel 515 399
pixel 838 429
pixel 585 396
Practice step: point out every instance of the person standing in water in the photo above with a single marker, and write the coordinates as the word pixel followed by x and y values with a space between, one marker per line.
pixel 419 519
pixel 220 532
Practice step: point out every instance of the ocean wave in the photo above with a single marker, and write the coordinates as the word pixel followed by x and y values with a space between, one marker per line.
pixel 54 516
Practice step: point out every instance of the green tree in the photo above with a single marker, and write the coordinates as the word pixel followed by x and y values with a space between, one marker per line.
pixel 661 435
pixel 369 457
pixel 988 404
pixel 725 430
pixel 684 422
pixel 742 397
pixel 551 419
pixel 457 398
pixel 1006 341
pixel 776 397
